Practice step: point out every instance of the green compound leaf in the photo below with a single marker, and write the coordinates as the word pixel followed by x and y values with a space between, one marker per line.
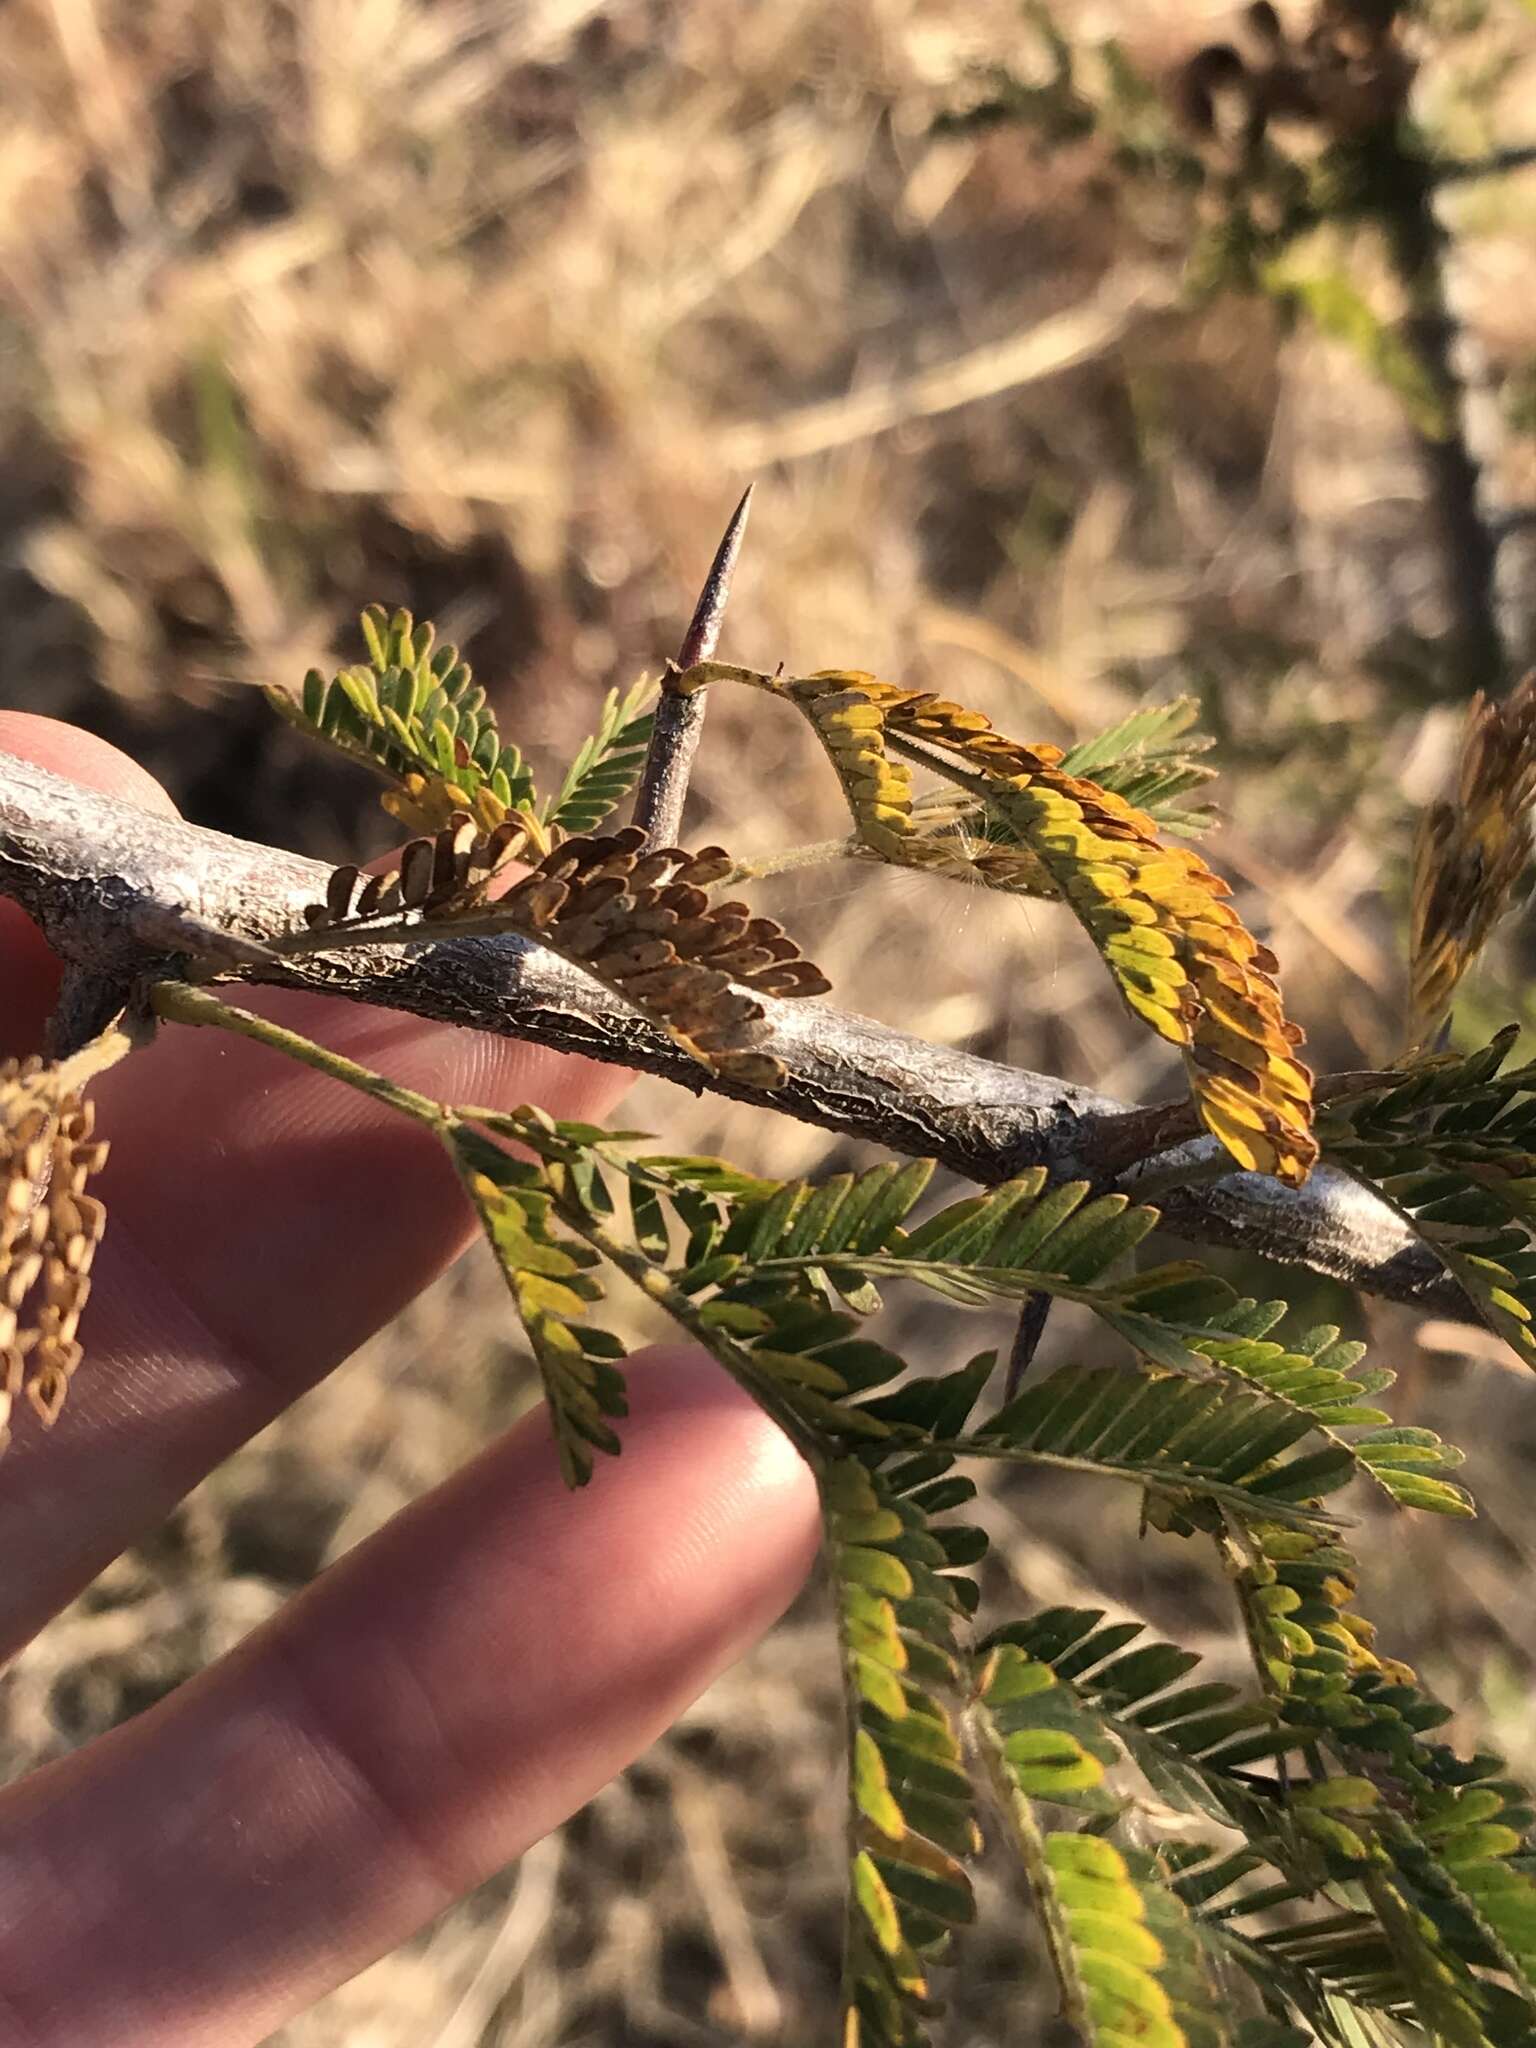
pixel 421 718
pixel 1123 1949
pixel 607 764
pixel 1450 1143
pixel 1152 759
pixel 911 1808
pixel 1028 1235
pixel 1398 1869
pixel 1320 1378
pixel 1195 1745
pixel 1186 1441
pixel 839 1241
pixel 552 1284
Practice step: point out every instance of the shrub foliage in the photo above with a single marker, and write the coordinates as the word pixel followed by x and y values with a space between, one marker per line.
pixel 1298 1858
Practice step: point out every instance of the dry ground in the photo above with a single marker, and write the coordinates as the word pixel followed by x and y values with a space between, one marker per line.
pixel 490 309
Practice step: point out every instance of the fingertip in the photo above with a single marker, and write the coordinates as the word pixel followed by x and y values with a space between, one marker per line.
pixel 82 757
pixel 31 971
pixel 31 967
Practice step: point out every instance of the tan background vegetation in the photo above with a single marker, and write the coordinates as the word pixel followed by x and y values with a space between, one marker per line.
pixel 491 309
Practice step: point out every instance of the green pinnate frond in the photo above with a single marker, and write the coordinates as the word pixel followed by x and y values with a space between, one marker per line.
pixel 912 1822
pixel 1030 1230
pixel 1454 1828
pixel 774 1256
pixel 552 1283
pixel 1195 1745
pixel 1029 1236
pixel 812 1354
pixel 1320 1377
pixel 607 764
pixel 1119 1979
pixel 419 716
pixel 1438 1990
pixel 1456 1860
pixel 1053 1746
pixel 1296 1588
pixel 1185 1441
pixel 1199 2008
pixel 1330 1777
pixel 1153 759
pixel 1335 1973
pixel 1451 1107
pixel 1208 1752
pixel 845 1215
pixel 1025 1236
pixel 802 1359
pixel 1450 1142
pixel 1395 1940
pixel 1110 1961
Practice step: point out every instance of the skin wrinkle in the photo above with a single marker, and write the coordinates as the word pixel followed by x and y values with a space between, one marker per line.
pixel 18 2029
pixel 238 1759
pixel 391 1817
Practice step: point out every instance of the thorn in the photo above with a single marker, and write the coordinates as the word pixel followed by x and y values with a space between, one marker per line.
pixel 703 634
pixel 1026 1340
pixel 680 714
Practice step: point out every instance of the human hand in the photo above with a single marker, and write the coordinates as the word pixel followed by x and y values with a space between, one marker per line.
pixel 453 1688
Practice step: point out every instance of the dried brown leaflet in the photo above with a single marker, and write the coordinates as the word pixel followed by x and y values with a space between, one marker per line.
pixel 640 922
pixel 49 1230
pixel 1469 852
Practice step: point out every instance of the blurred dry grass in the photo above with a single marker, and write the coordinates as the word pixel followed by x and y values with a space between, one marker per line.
pixel 489 310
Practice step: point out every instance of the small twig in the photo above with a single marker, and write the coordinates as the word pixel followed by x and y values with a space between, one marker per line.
pixel 1464 171
pixel 679 716
pixel 180 1002
pixel 1122 302
pixel 89 868
pixel 1403 185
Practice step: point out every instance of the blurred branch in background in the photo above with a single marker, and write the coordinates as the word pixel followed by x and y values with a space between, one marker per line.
pixel 1121 305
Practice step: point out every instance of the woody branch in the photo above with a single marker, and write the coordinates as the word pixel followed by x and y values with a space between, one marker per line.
pixel 124 895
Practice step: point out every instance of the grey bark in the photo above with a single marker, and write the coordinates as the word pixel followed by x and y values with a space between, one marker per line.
pixel 121 893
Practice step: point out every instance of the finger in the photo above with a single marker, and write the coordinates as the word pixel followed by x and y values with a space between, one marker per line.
pixel 30 969
pixel 438 1701
pixel 263 1220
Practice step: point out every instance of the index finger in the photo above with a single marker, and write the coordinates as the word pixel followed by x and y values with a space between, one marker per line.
pixel 262 1222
